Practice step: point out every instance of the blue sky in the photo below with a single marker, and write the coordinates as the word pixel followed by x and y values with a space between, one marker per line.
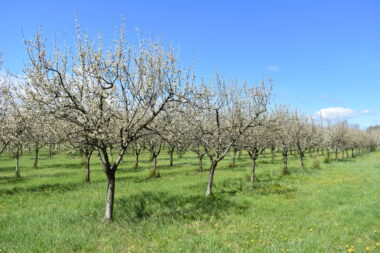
pixel 321 54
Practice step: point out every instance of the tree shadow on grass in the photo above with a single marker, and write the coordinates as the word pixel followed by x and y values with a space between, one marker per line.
pixel 349 160
pixel 271 188
pixel 56 187
pixel 7 169
pixel 11 180
pixel 162 207
pixel 78 165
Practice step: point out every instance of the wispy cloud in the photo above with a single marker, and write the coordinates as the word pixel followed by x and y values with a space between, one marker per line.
pixel 365 111
pixel 273 68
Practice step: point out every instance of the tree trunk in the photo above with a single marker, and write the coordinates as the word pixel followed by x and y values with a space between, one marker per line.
pixel 137 160
pixel 110 195
pixel 87 168
pixel 273 153
pixel 50 150
pixel 171 152
pixel 201 162
pixel 253 171
pixel 35 165
pixel 234 158
pixel 285 170
pixel 17 166
pixel 336 154
pixel 154 166
pixel 211 178
pixel 302 156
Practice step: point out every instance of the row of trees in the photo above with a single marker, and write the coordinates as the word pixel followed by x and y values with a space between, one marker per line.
pixel 134 97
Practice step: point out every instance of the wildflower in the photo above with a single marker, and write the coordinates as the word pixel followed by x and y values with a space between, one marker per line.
pixel 367 249
pixel 350 249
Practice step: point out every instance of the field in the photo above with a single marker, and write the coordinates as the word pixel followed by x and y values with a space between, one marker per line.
pixel 332 209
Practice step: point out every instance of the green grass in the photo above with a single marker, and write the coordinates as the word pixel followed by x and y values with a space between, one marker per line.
pixel 332 209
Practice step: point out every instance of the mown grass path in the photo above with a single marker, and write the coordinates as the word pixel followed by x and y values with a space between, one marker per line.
pixel 50 209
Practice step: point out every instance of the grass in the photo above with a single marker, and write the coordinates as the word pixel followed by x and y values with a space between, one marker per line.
pixel 332 209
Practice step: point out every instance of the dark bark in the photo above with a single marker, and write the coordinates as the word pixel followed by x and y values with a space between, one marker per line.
pixel 253 171
pixel 201 161
pixel 154 166
pixel 35 165
pixel 50 150
pixel 4 147
pixel 285 170
pixel 171 152
pixel 254 154
pixel 211 178
pixel 137 153
pixel 302 157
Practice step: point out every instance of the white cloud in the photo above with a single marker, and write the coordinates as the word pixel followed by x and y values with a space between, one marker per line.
pixel 273 68
pixel 336 113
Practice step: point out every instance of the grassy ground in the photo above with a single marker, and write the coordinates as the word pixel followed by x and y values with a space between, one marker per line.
pixel 50 209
